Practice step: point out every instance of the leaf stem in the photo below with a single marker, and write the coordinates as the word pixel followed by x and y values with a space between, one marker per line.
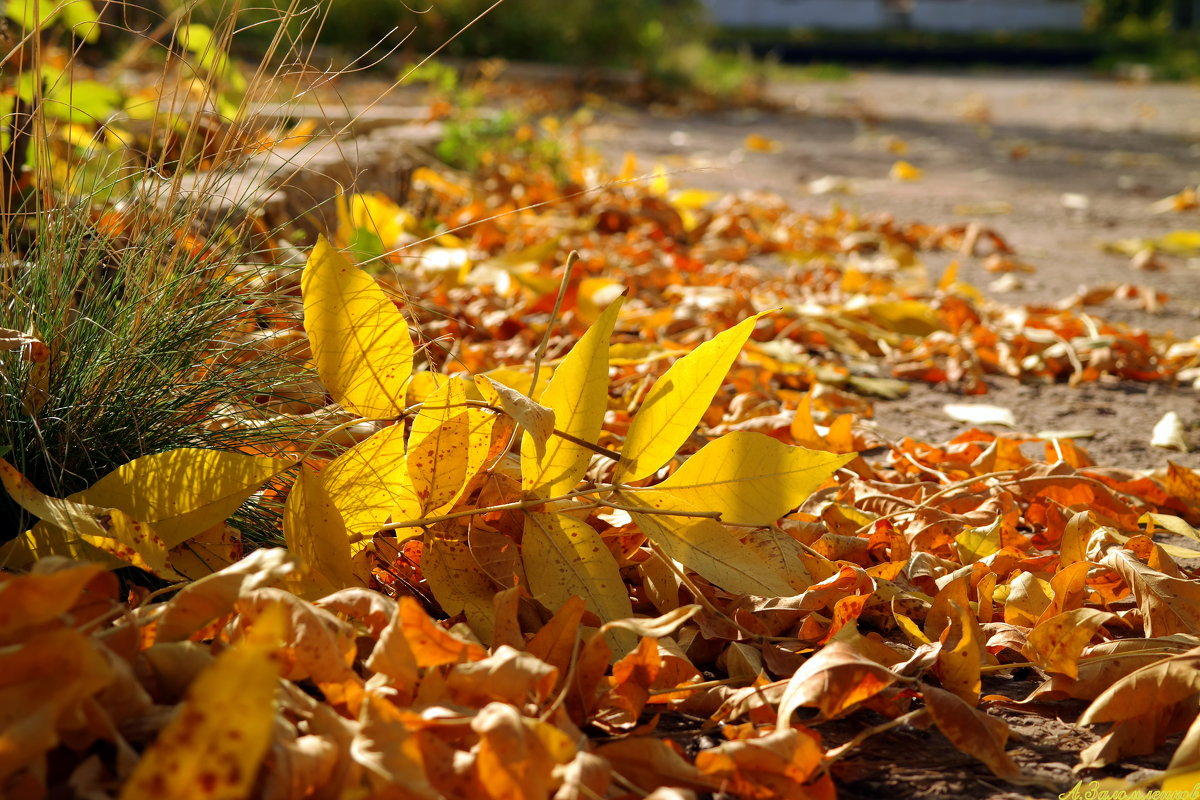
pixel 838 752
pixel 516 505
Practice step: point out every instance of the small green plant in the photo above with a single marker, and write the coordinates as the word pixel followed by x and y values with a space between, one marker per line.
pixel 159 324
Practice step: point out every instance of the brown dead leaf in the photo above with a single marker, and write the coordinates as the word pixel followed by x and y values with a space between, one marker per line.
pixel 649 763
pixel 777 766
pixel 833 680
pixel 971 731
pixel 1169 605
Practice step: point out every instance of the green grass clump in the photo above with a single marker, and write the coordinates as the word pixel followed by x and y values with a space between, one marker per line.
pixel 152 347
pixel 160 320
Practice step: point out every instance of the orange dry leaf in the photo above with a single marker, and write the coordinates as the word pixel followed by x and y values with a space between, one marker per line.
pixel 1168 605
pixel 649 763
pixel 44 684
pixel 777 766
pixel 833 680
pixel 1055 644
pixel 430 644
pixel 516 756
pixel 961 644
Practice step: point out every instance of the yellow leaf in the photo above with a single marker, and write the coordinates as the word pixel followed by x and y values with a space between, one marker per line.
pixel 69 516
pixel 437 447
pixel 182 492
pixel 709 549
pixel 565 557
pixel 578 395
pixel 219 737
pixel 904 171
pixel 1148 690
pixel 951 621
pixel 372 213
pixel 907 317
pixel 133 542
pixel 66 523
pixel 785 556
pixel 369 483
pixel 1055 643
pixel 1028 596
pixel 675 405
pixel 693 199
pixel 1180 243
pixel 519 377
pixel 481 424
pixel 749 478
pixel 976 543
pixel 316 533
pixel 360 341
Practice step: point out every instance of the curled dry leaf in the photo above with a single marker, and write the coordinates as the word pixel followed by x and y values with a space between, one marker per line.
pixel 833 680
pixel 972 731
pixel 782 764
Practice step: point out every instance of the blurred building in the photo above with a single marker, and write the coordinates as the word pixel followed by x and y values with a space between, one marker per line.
pixel 931 15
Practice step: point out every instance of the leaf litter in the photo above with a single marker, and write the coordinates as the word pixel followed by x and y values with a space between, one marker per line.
pixel 703 571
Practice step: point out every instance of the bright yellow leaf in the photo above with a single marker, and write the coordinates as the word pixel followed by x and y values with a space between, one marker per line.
pixel 904 171
pixel 65 524
pixel 1056 643
pixel 369 482
pixel 438 446
pixel 360 341
pixel 750 478
pixel 674 406
pixel 578 396
pixel 316 533
pixel 182 492
pixel 709 549
pixel 757 143
pixel 565 557
pixel 459 584
pixel 217 741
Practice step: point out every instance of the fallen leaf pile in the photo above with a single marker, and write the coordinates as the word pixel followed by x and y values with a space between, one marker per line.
pixel 605 529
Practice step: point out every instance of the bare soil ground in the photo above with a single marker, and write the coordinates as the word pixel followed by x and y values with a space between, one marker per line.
pixel 1009 142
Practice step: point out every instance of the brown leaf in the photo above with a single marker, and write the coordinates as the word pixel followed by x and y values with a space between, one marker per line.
pixel 971 730
pixel 43 684
pixel 833 680
pixel 774 767
pixel 506 676
pixel 1168 605
pixel 649 763
pixel 585 777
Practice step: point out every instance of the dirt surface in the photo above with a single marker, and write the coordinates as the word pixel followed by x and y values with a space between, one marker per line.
pixel 1001 150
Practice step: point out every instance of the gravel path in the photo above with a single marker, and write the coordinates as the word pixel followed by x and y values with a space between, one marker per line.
pixel 1057 163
